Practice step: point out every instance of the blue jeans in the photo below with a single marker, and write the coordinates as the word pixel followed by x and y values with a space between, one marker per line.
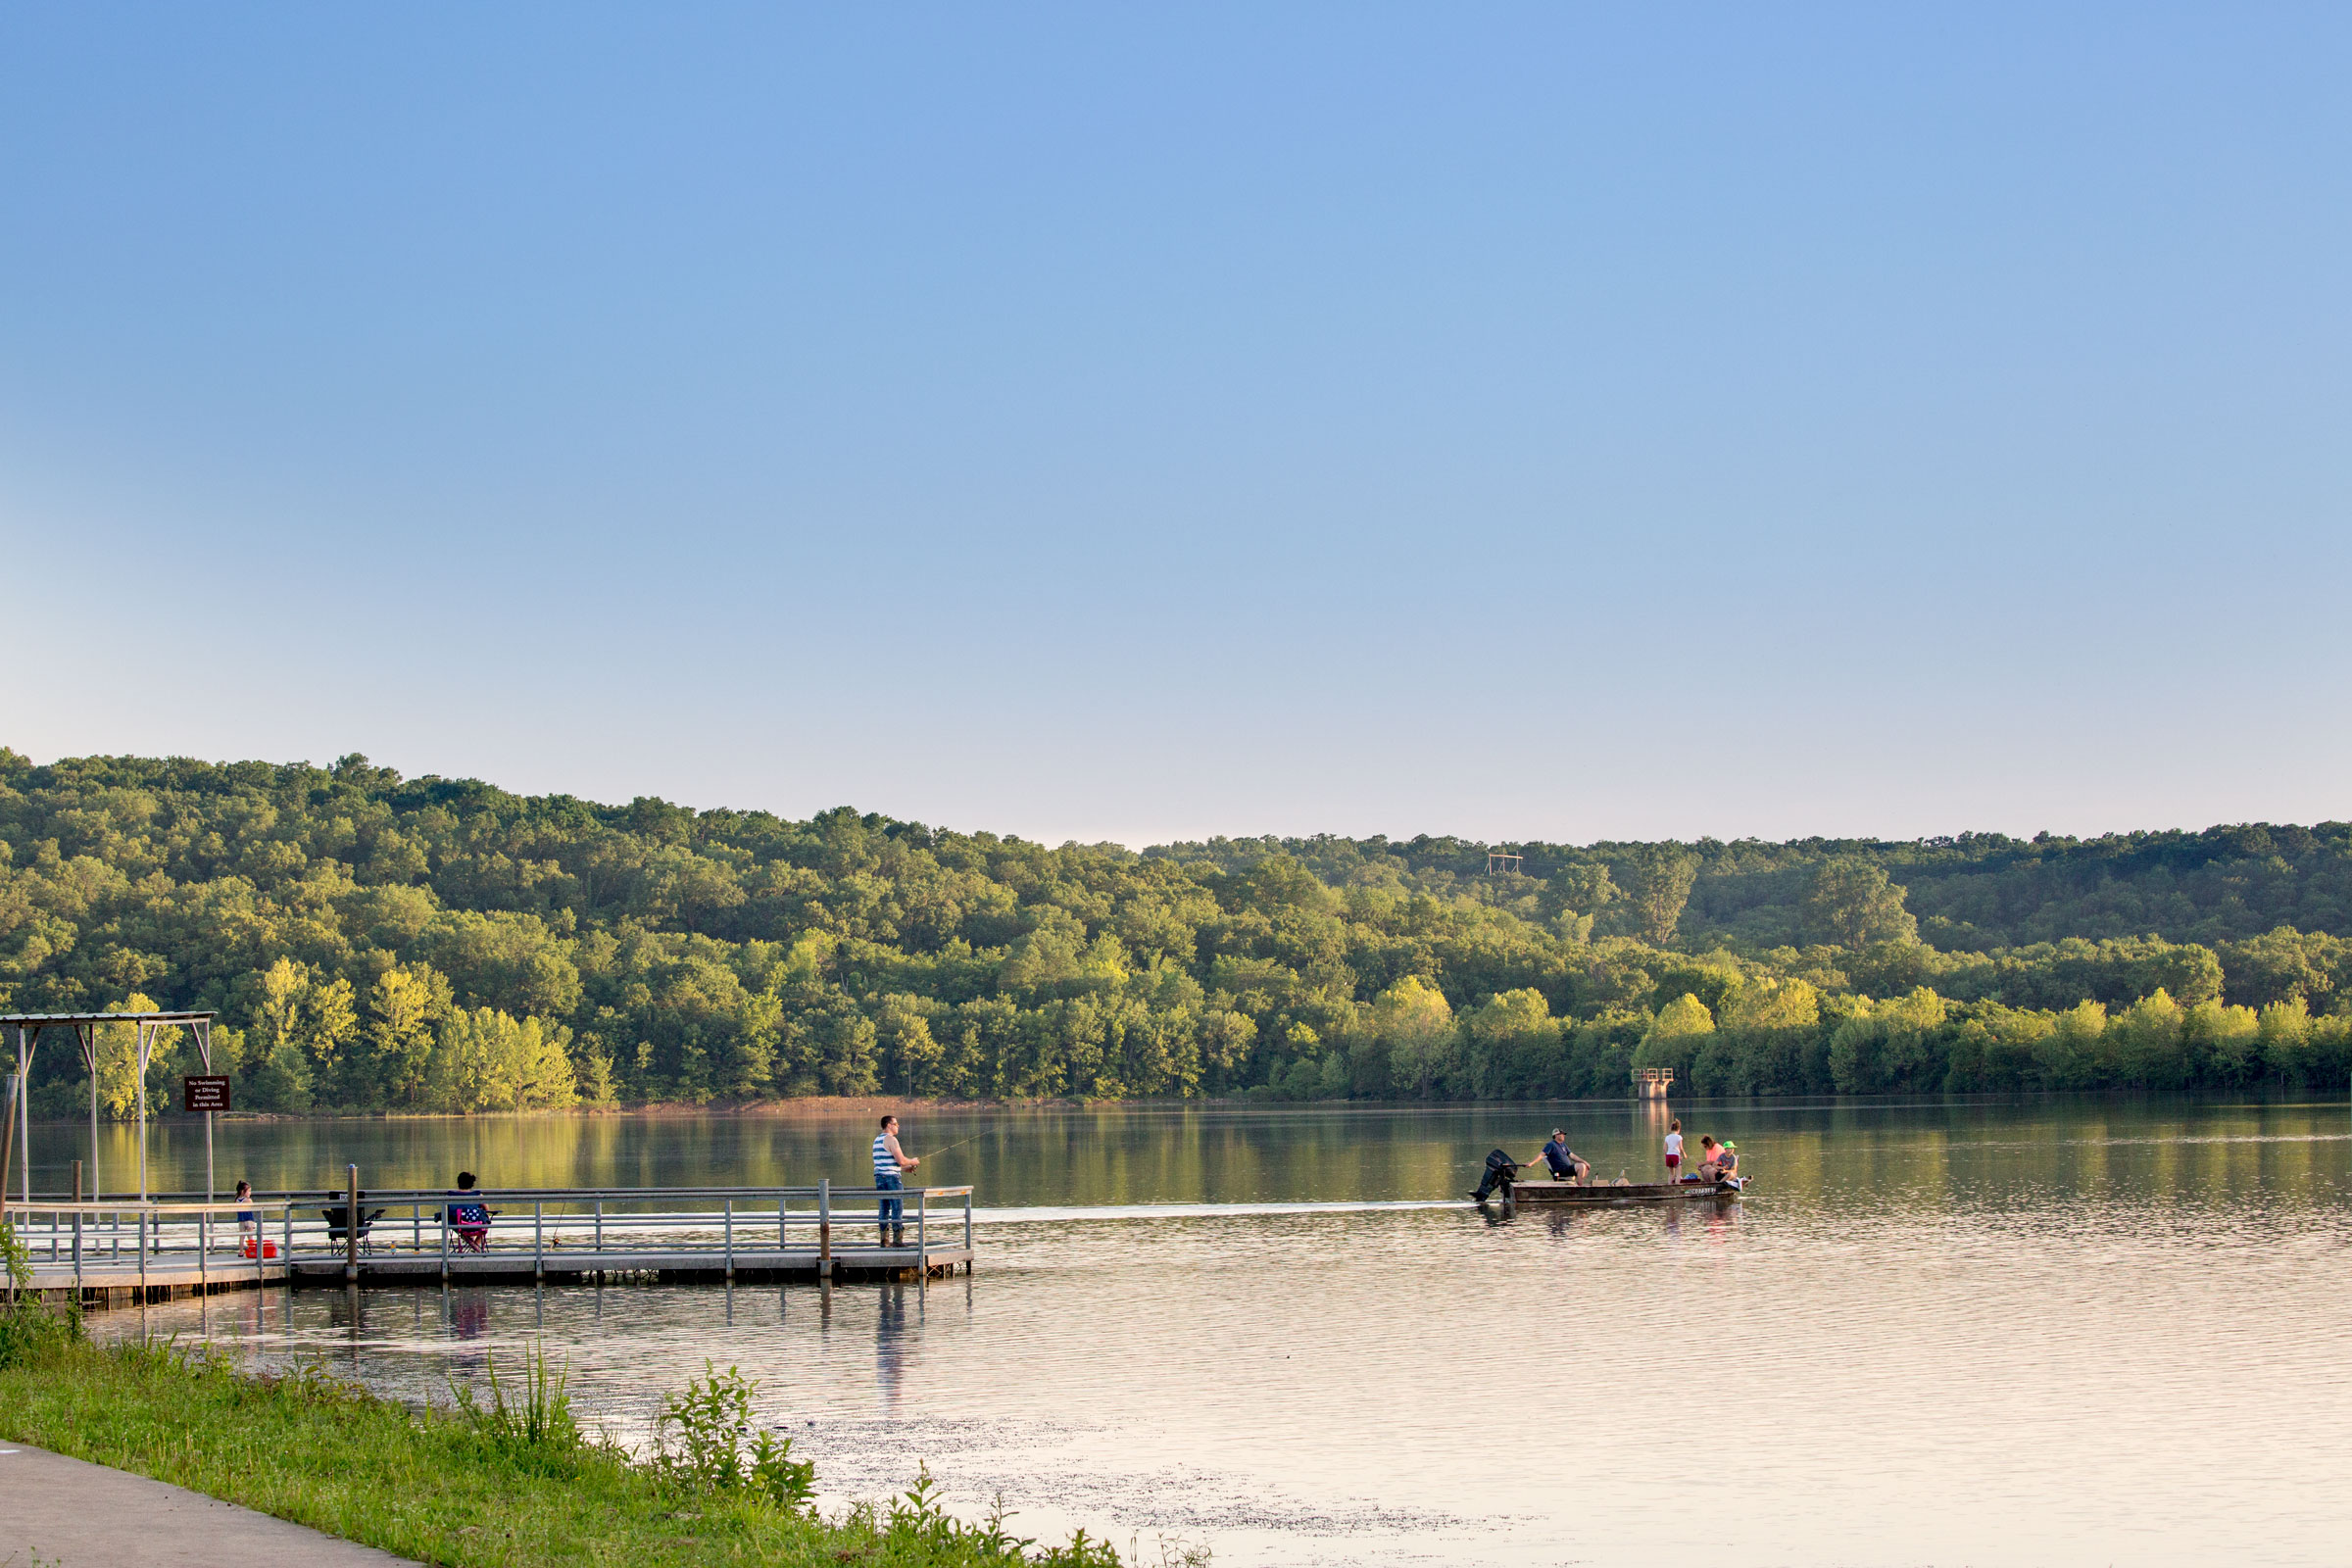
pixel 891 1210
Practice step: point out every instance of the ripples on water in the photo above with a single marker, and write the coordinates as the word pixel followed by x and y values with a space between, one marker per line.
pixel 2049 1334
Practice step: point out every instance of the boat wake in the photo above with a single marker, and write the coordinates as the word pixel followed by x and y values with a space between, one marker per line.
pixel 1064 1213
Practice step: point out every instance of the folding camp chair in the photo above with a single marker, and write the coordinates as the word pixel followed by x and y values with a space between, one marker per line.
pixel 339 1225
pixel 468 1226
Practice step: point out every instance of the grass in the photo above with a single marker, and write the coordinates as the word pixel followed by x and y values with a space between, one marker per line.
pixel 514 1481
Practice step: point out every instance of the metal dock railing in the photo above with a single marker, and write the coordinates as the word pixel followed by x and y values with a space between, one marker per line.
pixel 172 1245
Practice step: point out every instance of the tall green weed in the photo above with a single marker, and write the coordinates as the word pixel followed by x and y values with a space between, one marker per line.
pixel 531 1426
pixel 706 1440
pixel 29 1328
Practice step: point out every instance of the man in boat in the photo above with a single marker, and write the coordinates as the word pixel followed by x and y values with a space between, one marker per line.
pixel 1565 1167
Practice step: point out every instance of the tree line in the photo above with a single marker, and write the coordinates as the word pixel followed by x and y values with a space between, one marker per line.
pixel 382 944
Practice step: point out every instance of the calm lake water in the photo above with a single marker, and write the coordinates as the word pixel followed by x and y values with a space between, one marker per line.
pixel 2064 1332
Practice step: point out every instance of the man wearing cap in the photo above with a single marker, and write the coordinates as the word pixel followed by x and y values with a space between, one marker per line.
pixel 1565 1167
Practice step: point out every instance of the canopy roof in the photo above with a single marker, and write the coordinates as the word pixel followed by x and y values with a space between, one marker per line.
pixel 39 1020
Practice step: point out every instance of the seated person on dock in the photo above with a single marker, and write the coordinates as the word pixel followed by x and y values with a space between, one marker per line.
pixel 1565 1167
pixel 467 1219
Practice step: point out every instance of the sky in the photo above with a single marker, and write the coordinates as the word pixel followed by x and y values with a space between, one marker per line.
pixel 1131 423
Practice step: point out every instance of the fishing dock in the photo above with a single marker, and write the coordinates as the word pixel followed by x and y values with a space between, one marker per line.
pixel 124 1250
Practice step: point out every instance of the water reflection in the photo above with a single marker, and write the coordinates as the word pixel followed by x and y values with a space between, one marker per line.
pixel 1917 1340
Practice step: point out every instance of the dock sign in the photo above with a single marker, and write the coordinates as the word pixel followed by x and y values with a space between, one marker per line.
pixel 204 1092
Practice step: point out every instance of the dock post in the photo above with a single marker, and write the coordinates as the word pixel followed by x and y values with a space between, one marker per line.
pixel 922 1251
pixel 824 1228
pixel 538 1239
pixel 78 1230
pixel 351 1224
pixel 445 1247
pixel 728 1209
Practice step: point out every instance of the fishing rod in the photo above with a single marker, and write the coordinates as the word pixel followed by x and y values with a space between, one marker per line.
pixel 957 1144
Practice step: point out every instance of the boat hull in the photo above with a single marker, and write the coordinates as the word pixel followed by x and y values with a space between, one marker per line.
pixel 1638 1193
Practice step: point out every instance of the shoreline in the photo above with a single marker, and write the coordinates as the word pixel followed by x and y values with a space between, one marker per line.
pixel 515 1482
pixel 828 1106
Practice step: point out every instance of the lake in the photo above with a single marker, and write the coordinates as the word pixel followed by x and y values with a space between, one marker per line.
pixel 2075 1332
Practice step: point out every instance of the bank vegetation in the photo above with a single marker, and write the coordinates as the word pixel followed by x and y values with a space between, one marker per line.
pixel 382 944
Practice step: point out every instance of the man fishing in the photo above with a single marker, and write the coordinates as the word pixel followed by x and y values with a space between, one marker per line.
pixel 890 1213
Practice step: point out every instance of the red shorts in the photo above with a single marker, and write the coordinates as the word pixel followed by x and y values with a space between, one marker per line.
pixel 1672 1160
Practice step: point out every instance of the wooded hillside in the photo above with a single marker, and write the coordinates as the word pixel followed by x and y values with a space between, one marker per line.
pixel 376 943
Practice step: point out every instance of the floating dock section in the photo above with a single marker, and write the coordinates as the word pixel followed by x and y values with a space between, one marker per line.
pixel 116 1252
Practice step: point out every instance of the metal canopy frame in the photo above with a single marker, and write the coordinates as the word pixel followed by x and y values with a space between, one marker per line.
pixel 84 1025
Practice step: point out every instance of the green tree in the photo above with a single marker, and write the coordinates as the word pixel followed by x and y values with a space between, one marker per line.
pixel 1657 879
pixel 1851 903
pixel 405 1008
pixel 1414 1024
pixel 1674 1036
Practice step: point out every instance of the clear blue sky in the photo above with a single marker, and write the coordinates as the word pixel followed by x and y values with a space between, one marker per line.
pixel 1145 422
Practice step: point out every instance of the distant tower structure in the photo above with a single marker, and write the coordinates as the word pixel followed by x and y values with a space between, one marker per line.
pixel 1501 864
pixel 1651 1083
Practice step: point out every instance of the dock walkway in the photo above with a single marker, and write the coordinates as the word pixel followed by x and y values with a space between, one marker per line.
pixel 123 1250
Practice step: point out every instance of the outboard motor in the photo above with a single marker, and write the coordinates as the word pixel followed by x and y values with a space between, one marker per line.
pixel 1501 1171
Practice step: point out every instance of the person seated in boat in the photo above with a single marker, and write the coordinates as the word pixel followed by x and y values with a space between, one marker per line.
pixel 1562 1160
pixel 1716 1160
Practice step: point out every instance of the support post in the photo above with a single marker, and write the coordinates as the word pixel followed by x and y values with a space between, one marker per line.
pixel 824 1228
pixel 7 1148
pixel 78 1230
pixel 202 1029
pixel 351 1225
pixel 24 1045
pixel 730 1233
pixel 25 1122
pixel 140 1046
pixel 86 1035
pixel 538 1239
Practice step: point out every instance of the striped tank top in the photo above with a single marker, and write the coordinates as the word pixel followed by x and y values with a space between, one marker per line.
pixel 885 1162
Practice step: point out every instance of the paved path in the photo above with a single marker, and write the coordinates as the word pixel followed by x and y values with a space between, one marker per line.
pixel 65 1512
